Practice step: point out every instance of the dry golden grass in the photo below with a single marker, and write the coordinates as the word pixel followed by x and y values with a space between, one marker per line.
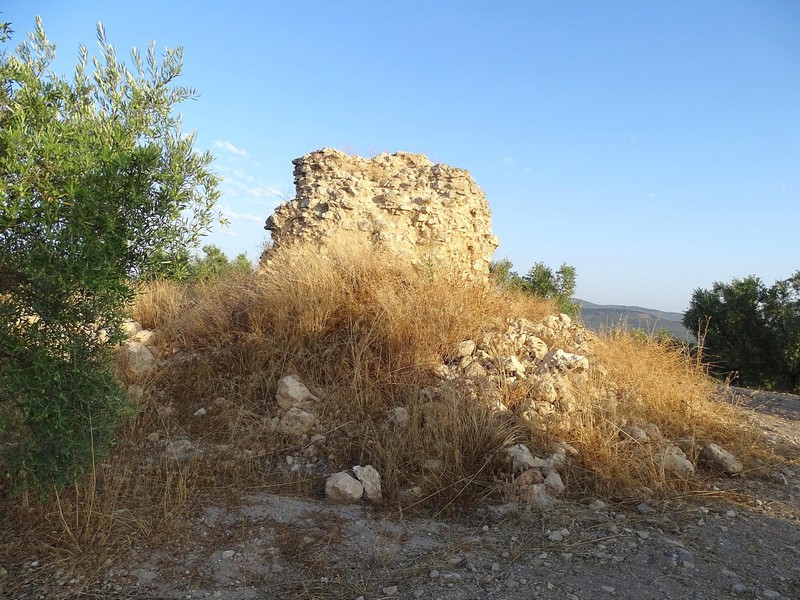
pixel 364 332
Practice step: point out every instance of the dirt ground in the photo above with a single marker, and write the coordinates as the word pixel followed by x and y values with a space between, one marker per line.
pixel 738 539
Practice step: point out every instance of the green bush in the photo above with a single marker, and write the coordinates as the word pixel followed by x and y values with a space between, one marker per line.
pixel 540 281
pixel 751 330
pixel 215 263
pixel 97 184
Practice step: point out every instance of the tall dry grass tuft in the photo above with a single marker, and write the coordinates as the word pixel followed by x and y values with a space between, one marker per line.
pixel 653 384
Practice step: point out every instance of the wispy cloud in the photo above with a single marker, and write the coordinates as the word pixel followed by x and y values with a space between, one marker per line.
pixel 239 216
pixel 227 146
pixel 509 161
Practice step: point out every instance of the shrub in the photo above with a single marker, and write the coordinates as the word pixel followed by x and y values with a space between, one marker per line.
pixel 96 179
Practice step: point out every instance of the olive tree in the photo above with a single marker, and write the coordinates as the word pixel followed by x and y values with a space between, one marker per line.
pixel 98 184
pixel 751 330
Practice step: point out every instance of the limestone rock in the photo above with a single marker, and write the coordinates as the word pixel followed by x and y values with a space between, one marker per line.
pixel 522 459
pixel 139 360
pixel 294 393
pixel 721 459
pixel 678 465
pixel 371 480
pixel 341 487
pixel 145 337
pixel 466 348
pixel 399 417
pixel 296 421
pixel 130 328
pixel 475 370
pixel 421 212
pixel 553 483
pixel 537 347
pixel 566 361
pixel 514 366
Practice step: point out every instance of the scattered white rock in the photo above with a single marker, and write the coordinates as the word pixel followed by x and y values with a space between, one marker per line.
pixel 558 535
pixel 371 480
pixel 633 432
pixel 399 417
pixel 145 337
pixel 553 483
pixel 514 366
pixel 341 487
pixel 139 359
pixel 293 393
pixel 296 421
pixel 475 370
pixel 522 459
pixel 200 412
pixel 566 361
pixel 130 328
pixel 677 464
pixel 466 348
pixel 721 459
pixel 390 590
pixel 227 554
pixel 153 437
pixel 529 477
pixel 537 347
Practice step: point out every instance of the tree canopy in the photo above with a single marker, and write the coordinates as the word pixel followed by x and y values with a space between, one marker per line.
pixel 540 281
pixel 97 179
pixel 751 330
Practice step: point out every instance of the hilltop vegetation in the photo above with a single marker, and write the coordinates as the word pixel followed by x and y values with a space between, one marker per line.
pixel 751 332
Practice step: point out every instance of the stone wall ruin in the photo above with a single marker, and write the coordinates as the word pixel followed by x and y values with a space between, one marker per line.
pixel 424 212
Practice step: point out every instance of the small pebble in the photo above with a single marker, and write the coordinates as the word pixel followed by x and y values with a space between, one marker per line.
pixel 200 412
pixel 608 589
pixel 227 554
pixel 434 574
pixel 771 594
pixel 390 590
pixel 645 509
pixel 153 437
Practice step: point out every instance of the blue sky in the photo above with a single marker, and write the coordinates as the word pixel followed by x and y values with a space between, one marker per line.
pixel 655 146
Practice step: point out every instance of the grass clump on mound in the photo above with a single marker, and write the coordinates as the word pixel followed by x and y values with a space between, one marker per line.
pixel 367 333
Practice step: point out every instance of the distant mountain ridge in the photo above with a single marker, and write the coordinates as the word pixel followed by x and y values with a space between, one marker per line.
pixel 611 316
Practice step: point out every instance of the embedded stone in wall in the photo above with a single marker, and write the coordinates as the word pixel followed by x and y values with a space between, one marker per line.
pixel 425 212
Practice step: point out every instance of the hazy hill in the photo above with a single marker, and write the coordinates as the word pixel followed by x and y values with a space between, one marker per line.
pixel 597 316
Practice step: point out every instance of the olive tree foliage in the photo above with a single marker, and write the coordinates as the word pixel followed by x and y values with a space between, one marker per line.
pixel 751 330
pixel 540 281
pixel 97 184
